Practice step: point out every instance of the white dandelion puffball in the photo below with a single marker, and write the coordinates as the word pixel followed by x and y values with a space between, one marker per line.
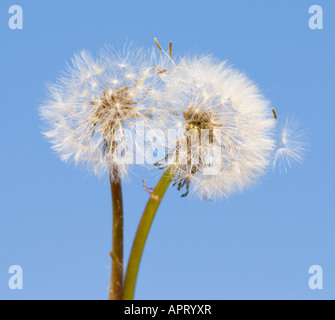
pixel 95 104
pixel 225 128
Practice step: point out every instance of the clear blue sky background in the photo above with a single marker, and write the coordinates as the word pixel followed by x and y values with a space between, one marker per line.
pixel 55 220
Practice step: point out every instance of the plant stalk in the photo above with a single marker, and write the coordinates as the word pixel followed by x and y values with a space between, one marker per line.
pixel 115 292
pixel 143 231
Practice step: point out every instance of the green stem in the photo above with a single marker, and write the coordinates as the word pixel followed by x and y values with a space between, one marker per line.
pixel 143 231
pixel 115 292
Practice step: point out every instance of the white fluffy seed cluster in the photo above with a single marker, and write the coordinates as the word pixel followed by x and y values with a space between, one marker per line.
pixel 238 127
pixel 218 130
pixel 95 103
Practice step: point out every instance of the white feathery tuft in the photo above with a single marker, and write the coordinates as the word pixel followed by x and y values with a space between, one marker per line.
pixel 291 146
pixel 92 109
pixel 202 95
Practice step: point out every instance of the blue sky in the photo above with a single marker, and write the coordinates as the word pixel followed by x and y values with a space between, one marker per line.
pixel 55 219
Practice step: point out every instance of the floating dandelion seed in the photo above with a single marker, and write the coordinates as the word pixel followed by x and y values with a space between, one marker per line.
pixel 291 146
pixel 226 138
pixel 95 103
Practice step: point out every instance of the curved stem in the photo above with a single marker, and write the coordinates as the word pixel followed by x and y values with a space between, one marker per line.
pixel 115 292
pixel 143 231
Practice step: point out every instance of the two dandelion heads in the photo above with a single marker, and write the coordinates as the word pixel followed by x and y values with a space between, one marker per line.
pixel 141 107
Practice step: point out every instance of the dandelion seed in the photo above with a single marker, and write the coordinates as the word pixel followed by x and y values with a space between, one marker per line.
pixel 158 45
pixel 291 146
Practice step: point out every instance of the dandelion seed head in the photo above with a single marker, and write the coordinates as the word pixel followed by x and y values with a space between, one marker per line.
pixel 93 104
pixel 226 128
